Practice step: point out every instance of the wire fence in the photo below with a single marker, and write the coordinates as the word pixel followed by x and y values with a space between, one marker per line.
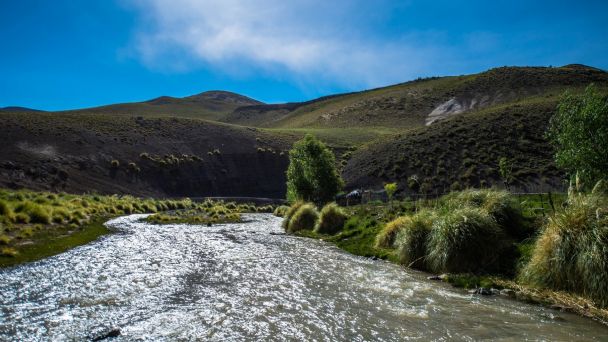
pixel 529 203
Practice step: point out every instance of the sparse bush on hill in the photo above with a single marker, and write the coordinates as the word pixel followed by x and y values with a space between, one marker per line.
pixel 331 219
pixel 571 253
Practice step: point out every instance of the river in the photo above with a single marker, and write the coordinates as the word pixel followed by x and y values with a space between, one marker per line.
pixel 248 282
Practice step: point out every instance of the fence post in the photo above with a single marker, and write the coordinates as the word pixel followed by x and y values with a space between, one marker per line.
pixel 551 202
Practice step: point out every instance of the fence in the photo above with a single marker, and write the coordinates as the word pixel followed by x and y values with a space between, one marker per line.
pixel 530 203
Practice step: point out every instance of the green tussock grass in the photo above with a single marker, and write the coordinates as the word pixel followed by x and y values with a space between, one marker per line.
pixel 304 218
pixel 331 219
pixel 571 252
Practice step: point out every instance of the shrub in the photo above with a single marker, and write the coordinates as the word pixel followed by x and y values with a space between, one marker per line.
pixel 290 212
pixel 36 213
pixel 331 219
pixel 280 210
pixel 6 211
pixel 386 237
pixel 5 239
pixel 412 239
pixel 304 218
pixel 465 240
pixel 498 204
pixel 21 218
pixel 571 252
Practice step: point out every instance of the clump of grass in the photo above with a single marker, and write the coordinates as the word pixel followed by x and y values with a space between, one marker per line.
pixel 304 218
pixel 497 203
pixel 290 212
pixel 6 211
pixel 331 219
pixel 412 239
pixel 465 240
pixel 8 252
pixel 387 235
pixel 571 253
pixel 36 213
pixel 280 210
pixel 5 239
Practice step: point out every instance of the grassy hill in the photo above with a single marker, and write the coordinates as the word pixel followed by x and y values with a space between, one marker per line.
pixel 449 132
pixel 210 105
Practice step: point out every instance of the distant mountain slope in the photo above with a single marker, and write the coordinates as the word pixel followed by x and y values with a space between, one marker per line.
pixel 210 105
pixel 15 109
pixel 420 102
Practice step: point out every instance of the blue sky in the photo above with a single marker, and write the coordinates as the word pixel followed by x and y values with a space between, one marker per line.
pixel 66 54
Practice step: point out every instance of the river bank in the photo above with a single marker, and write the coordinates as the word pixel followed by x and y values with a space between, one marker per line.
pixel 366 222
pixel 35 225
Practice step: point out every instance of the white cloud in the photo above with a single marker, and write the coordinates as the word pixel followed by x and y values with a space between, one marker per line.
pixel 310 40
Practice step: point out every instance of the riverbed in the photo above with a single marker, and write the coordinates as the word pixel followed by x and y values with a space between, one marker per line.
pixel 248 281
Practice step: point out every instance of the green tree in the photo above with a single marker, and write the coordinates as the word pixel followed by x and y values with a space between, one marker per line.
pixel 579 131
pixel 390 189
pixel 312 174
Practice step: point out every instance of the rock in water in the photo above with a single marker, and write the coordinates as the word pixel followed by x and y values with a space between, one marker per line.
pixel 109 334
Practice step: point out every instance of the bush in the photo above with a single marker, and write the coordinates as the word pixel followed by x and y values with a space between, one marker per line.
pixel 465 240
pixel 498 204
pixel 412 239
pixel 280 210
pixel 331 219
pixel 35 212
pixel 571 253
pixel 290 212
pixel 304 218
pixel 6 211
pixel 386 237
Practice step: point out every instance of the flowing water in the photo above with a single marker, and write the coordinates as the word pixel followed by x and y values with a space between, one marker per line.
pixel 247 282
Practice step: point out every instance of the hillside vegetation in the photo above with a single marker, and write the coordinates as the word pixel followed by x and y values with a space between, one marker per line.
pixel 446 132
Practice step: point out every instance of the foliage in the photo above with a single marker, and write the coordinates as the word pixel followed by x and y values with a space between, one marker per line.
pixel 412 239
pixel 312 174
pixel 465 240
pixel 387 235
pixel 280 210
pixel 498 204
pixel 305 218
pixel 331 219
pixel 290 212
pixel 579 131
pixel 571 252
pixel 505 168
pixel 390 189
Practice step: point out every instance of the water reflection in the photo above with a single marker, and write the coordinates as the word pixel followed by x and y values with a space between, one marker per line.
pixel 242 281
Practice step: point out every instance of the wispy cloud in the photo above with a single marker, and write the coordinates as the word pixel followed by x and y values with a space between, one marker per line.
pixel 311 41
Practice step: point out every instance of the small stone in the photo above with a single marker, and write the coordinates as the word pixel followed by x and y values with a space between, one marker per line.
pixel 483 291
pixel 112 333
pixel 507 292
